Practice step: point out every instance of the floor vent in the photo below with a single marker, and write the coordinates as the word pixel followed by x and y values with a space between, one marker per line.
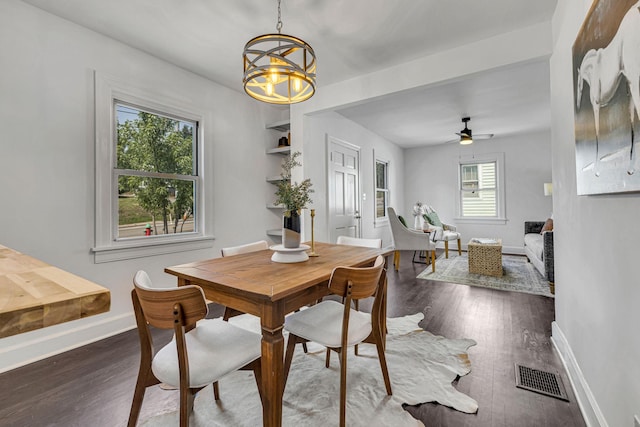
pixel 541 382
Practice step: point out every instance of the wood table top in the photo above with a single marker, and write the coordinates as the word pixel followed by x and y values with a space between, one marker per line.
pixel 256 275
pixel 34 294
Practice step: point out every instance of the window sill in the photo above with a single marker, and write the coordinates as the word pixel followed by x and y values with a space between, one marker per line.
pixel 494 221
pixel 140 249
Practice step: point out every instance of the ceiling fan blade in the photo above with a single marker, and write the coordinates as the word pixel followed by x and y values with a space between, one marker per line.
pixel 452 140
pixel 483 136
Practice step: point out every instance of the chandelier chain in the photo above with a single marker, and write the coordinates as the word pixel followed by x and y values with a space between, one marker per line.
pixel 279 24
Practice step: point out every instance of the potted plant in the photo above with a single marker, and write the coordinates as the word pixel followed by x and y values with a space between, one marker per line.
pixel 293 197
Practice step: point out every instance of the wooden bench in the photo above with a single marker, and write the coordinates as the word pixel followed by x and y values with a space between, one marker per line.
pixel 34 294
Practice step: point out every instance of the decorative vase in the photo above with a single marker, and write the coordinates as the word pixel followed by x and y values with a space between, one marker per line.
pixel 291 230
pixel 416 222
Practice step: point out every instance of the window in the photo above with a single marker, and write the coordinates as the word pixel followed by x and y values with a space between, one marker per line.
pixel 382 189
pixel 156 171
pixel 149 182
pixel 481 193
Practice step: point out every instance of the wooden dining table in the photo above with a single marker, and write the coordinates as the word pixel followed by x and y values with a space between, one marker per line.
pixel 252 283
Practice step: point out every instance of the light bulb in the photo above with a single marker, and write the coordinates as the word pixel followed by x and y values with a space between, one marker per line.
pixel 297 84
pixel 269 88
pixel 274 75
pixel 273 71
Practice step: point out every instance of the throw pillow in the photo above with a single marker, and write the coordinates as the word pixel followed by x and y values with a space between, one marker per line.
pixel 433 219
pixel 548 226
pixel 402 221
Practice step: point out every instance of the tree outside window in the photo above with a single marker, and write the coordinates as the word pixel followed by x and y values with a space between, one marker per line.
pixel 156 171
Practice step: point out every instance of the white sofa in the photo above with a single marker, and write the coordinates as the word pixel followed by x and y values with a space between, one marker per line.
pixel 539 249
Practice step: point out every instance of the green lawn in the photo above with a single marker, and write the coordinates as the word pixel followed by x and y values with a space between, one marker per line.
pixel 130 212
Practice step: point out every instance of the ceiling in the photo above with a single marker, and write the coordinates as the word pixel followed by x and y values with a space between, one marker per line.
pixel 350 37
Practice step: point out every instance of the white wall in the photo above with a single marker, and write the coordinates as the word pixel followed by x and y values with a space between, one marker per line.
pixel 47 162
pixel 596 247
pixel 316 130
pixel 525 44
pixel 431 178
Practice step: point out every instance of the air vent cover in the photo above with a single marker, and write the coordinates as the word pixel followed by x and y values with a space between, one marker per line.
pixel 541 382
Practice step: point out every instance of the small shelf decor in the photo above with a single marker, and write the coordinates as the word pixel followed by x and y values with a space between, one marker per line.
pixel 293 197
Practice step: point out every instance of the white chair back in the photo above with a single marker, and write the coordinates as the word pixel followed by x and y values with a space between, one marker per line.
pixel 244 249
pixel 142 280
pixel 406 239
pixel 357 241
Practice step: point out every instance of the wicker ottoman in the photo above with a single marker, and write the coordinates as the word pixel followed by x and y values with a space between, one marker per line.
pixel 485 258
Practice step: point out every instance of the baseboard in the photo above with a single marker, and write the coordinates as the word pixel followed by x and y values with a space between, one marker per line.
pixel 29 351
pixel 591 412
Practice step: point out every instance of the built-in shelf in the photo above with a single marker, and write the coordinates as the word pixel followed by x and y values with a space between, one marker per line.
pixel 274 179
pixel 282 125
pixel 279 150
pixel 276 232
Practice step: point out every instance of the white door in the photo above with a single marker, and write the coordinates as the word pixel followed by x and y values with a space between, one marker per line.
pixel 343 189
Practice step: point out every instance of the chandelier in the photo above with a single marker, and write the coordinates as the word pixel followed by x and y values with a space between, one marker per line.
pixel 279 69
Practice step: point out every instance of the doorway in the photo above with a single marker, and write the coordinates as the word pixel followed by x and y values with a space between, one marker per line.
pixel 343 188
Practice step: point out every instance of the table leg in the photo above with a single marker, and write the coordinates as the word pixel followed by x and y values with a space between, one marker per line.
pixel 272 372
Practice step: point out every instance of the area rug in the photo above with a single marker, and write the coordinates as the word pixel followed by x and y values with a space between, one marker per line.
pixel 518 275
pixel 421 366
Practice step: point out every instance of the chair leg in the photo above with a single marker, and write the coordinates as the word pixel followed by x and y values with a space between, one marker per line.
pixel 288 357
pixel 446 249
pixel 136 405
pixel 356 304
pixel 186 406
pixel 343 386
pixel 304 344
pixel 327 359
pixel 396 259
pixel 257 373
pixel 459 248
pixel 383 364
pixel 229 313
pixel 433 261
pixel 216 391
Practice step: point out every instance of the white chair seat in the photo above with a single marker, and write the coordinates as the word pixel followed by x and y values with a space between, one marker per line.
pixel 322 323
pixel 215 349
pixel 449 235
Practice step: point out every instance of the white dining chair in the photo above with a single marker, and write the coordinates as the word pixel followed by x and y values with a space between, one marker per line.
pixel 246 248
pixel 356 241
pixel 337 326
pixel 201 352
pixel 359 241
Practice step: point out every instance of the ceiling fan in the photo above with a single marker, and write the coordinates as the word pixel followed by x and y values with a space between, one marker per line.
pixel 466 136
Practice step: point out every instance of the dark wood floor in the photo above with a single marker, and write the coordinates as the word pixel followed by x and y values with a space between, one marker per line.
pixel 93 385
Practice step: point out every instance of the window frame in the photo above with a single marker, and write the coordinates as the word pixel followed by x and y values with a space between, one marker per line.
pixel 380 221
pixel 108 91
pixel 498 159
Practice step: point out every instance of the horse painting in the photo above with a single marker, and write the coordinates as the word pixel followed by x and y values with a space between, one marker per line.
pixel 603 69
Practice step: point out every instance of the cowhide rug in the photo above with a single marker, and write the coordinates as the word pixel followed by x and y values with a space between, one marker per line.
pixel 421 365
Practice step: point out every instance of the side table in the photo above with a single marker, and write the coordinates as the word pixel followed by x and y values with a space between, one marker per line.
pixel 485 256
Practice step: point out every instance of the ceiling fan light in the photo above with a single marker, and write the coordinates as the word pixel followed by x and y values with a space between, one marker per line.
pixel 466 139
